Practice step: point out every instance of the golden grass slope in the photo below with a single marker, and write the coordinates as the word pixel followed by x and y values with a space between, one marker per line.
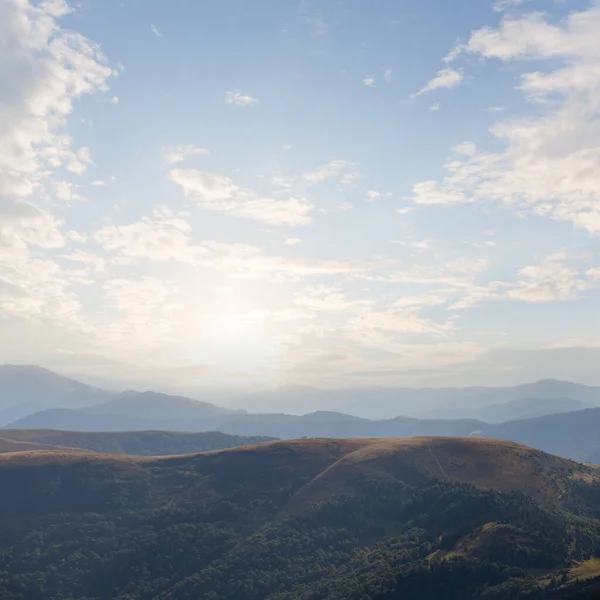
pixel 332 465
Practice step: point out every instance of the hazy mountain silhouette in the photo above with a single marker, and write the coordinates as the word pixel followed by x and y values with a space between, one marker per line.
pixel 526 408
pixel 155 406
pixel 25 389
pixel 385 403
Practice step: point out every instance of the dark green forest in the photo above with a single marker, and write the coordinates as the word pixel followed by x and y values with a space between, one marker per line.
pixel 306 520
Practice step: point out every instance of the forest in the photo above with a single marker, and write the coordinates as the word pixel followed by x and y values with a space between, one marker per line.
pixel 306 520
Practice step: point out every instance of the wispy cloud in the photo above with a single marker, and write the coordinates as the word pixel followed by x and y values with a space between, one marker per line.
pixel 445 79
pixel 154 29
pixel 216 192
pixel 178 154
pixel 547 164
pixel 239 99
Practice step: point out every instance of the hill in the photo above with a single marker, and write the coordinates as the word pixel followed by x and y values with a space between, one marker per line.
pixel 450 403
pixel 523 408
pixel 574 435
pixel 319 424
pixel 143 443
pixel 26 389
pixel 158 407
pixel 427 518
pixel 8 445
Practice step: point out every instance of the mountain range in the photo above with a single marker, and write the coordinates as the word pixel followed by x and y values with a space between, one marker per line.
pixel 572 434
pixel 469 402
pixel 25 390
pixel 354 519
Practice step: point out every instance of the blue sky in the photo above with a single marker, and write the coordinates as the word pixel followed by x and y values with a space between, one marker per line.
pixel 218 194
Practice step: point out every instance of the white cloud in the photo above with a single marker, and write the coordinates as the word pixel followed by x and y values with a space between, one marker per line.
pixel 503 5
pixel 87 259
pixel 373 195
pixel 369 80
pixel 322 299
pixel 44 69
pixel 217 192
pixel 552 280
pixel 178 154
pixel 66 192
pixel 549 162
pixel 146 315
pixel 293 241
pixel 22 225
pixel 154 29
pixel 445 79
pixel 156 239
pixel 240 99
pixel 434 107
pixel 453 54
pixel 343 169
pixel 387 75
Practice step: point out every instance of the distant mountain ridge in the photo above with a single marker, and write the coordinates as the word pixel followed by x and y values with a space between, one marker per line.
pixel 574 435
pixel 26 390
pixel 386 403
pixel 155 406
pixel 526 408
pixel 571 433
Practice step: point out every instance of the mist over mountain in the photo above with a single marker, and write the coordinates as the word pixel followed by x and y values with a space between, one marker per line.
pixel 571 433
pixel 156 406
pixel 25 389
pixel 525 408
pixel 385 403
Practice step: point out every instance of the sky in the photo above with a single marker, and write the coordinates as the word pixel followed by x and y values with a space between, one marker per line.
pixel 222 194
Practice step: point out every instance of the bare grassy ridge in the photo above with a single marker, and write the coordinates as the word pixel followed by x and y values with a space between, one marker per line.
pixel 334 464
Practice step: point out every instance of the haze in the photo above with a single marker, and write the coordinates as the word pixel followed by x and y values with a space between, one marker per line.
pixel 335 194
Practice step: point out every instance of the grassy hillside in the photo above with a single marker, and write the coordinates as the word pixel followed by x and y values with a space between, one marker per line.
pixel 15 445
pixel 140 443
pixel 428 518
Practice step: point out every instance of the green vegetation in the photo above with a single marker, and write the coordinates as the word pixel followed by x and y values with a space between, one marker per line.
pixel 451 519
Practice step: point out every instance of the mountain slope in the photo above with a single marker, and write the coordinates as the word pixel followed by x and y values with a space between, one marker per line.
pixel 429 518
pixel 27 389
pixel 143 443
pixel 319 424
pixel 523 408
pixel 385 403
pixel 575 435
pixel 155 406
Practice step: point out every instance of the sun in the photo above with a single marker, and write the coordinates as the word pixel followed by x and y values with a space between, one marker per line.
pixel 237 341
